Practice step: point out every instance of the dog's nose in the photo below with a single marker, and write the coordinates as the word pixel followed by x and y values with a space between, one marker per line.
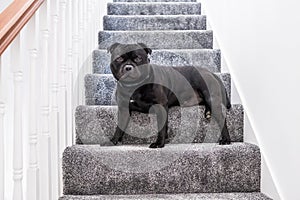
pixel 128 67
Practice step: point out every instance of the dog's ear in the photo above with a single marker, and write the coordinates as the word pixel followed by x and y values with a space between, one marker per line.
pixel 147 49
pixel 112 47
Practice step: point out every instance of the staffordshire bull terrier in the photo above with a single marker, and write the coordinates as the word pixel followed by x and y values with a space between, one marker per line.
pixel 144 87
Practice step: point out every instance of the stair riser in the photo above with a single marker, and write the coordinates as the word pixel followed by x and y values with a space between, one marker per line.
pixel 159 39
pixel 99 89
pixel 96 124
pixel 188 169
pixel 134 23
pixel 154 9
pixel 209 59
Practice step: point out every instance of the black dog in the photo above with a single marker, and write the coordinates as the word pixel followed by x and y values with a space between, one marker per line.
pixel 143 87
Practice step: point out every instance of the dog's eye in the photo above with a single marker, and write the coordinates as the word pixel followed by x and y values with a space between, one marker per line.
pixel 138 59
pixel 119 59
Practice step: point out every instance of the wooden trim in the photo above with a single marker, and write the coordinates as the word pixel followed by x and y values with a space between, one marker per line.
pixel 14 18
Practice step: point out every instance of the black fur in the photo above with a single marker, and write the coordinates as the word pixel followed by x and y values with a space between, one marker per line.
pixel 142 85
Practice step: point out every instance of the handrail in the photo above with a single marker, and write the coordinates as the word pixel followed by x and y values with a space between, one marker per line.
pixel 13 19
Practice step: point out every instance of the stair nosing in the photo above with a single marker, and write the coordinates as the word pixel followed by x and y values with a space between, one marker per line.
pixel 153 16
pixel 171 31
pixel 151 3
pixel 157 50
pixel 110 106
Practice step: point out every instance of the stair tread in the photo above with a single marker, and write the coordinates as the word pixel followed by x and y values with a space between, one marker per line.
pixel 159 39
pixel 201 196
pixel 153 8
pixel 176 168
pixel 206 58
pixel 96 124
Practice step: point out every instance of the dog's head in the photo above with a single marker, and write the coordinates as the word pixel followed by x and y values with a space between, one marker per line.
pixel 129 62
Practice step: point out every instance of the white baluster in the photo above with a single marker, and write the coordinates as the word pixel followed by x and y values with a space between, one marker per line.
pixel 2 112
pixel 44 137
pixel 54 130
pixel 32 171
pixel 89 29
pixel 2 174
pixel 91 34
pixel 45 158
pixel 81 52
pixel 61 75
pixel 18 137
pixel 96 23
pixel 69 74
pixel 69 79
pixel 75 63
pixel 84 31
pixel 86 37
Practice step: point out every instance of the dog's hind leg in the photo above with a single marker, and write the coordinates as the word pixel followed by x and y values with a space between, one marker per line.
pixel 219 114
pixel 216 101
pixel 214 108
pixel 225 137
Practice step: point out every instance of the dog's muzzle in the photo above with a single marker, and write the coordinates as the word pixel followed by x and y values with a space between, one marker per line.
pixel 128 68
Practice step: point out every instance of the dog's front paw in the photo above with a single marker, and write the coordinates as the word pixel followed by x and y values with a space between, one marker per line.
pixel 224 141
pixel 156 145
pixel 115 140
pixel 107 143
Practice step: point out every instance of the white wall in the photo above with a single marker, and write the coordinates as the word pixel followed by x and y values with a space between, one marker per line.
pixel 260 42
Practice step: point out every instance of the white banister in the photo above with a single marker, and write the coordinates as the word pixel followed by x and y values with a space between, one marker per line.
pixel 44 67
pixel 2 112
pixel 32 171
pixel 17 133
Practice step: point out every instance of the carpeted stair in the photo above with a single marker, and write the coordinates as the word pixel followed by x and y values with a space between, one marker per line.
pixel 192 165
pixel 99 88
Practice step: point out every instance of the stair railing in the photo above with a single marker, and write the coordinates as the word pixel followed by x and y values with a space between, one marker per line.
pixel 45 48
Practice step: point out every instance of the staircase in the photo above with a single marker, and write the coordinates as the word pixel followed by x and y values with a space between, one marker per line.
pixel 189 167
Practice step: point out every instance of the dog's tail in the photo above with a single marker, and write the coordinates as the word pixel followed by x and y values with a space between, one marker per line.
pixel 225 92
pixel 229 105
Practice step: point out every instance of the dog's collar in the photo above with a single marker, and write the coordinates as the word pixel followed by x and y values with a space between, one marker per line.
pixel 134 84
